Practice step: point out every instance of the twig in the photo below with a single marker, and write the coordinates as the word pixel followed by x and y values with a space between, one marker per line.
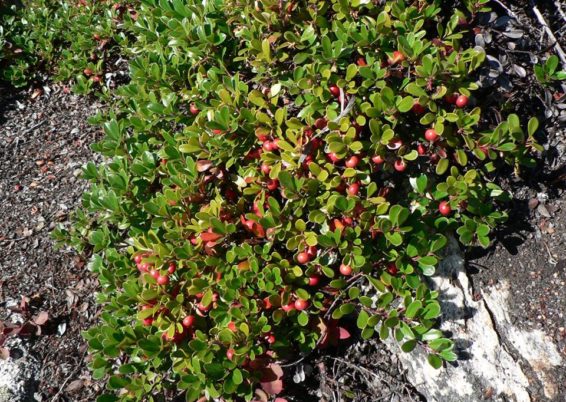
pixel 507 9
pixel 550 34
pixel 559 8
pixel 75 371
pixel 307 147
pixel 29 130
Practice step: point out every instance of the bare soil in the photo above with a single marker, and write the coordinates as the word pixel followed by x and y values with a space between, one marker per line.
pixel 43 144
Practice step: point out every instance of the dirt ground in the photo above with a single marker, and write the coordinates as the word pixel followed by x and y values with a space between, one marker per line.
pixel 43 144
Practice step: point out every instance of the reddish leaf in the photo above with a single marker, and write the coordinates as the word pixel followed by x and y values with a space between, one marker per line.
pixel 343 333
pixel 210 237
pixel 272 379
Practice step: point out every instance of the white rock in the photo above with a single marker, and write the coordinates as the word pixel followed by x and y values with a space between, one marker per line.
pixel 488 367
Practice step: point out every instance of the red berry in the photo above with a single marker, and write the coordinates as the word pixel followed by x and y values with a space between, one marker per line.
pixel 444 208
pixel 303 258
pixel 232 326
pixel 361 62
pixel 138 259
pixel 462 101
pixel 353 189
pixel 144 267
pixel 400 165
pixel 230 354
pixel 193 109
pixel 431 135
pixel 348 221
pixel 392 268
pixel 333 157
pixel 378 159
pixel 273 184
pixel 418 108
pixel 172 267
pixel 314 280
pixel 301 304
pixel 217 132
pixel 265 168
pixel 451 99
pixel 270 339
pixel 312 251
pixel 154 273
pixel 148 321
pixel 320 123
pixel 188 321
pixel 288 307
pixel 87 72
pixel 162 280
pixel 334 90
pixel 352 162
pixel 345 270
pixel 421 149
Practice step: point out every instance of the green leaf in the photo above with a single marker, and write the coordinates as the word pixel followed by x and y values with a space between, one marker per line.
pixel 413 309
pixel 405 104
pixel 362 319
pixel 435 361
pixel 442 166
pixel 409 346
pixel 237 376
pixel 532 126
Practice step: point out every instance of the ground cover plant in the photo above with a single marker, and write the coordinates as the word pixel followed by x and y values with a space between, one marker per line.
pixel 76 41
pixel 272 168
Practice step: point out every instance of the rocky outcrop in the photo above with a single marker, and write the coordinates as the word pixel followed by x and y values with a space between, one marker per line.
pixel 496 359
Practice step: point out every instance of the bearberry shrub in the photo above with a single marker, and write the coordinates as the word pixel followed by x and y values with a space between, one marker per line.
pixel 273 169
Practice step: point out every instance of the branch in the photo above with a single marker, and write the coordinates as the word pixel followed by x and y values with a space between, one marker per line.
pixel 550 34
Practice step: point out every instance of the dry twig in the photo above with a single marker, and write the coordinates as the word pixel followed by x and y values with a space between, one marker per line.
pixel 550 34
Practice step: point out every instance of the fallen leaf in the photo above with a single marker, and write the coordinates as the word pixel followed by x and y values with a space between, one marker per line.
pixel 272 379
pixel 41 318
pixel 74 386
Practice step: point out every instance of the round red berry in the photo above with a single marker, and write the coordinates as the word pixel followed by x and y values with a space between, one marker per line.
pixel 334 90
pixel 345 270
pixel 303 258
pixel 400 165
pixel 352 162
pixel 230 354
pixel 188 321
pixel 431 135
pixel 273 184
pixel 462 101
pixel 314 280
pixel 162 280
pixel 378 159
pixel 392 268
pixel 353 189
pixel 270 339
pixel 333 157
pixel 301 304
pixel 444 208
